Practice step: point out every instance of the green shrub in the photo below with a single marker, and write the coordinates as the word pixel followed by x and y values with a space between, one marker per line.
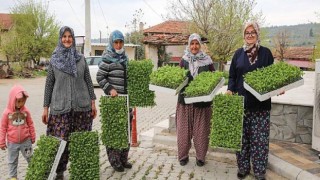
pixel 43 158
pixel 39 73
pixel 203 84
pixel 138 84
pixel 168 76
pixel 114 120
pixel 226 121
pixel 84 156
pixel 273 77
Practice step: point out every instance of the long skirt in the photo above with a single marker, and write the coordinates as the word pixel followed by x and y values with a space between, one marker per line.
pixel 63 125
pixel 255 142
pixel 193 122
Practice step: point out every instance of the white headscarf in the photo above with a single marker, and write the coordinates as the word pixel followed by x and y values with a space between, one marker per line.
pixel 252 49
pixel 196 60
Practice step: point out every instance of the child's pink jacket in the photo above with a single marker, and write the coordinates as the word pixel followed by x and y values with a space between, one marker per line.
pixel 16 126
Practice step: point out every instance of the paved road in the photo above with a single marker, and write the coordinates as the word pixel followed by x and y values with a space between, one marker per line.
pixel 159 162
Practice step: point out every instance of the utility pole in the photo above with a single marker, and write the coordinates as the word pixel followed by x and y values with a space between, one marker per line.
pixel 87 43
pixel 100 36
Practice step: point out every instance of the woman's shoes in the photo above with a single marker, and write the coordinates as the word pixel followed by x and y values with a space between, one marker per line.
pixel 127 165
pixel 260 177
pixel 241 175
pixel 200 163
pixel 184 161
pixel 59 176
pixel 118 168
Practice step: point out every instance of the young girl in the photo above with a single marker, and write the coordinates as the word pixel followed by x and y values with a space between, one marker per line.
pixel 16 130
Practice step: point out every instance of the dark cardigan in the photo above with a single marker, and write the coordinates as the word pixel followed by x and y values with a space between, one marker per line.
pixel 185 64
pixel 239 66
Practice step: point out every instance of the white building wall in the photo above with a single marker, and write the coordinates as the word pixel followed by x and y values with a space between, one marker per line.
pixel 151 53
pixel 130 51
pixel 177 51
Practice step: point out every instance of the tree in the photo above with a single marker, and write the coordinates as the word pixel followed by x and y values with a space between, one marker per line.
pixel 220 21
pixel 34 34
pixel 311 33
pixel 163 56
pixel 136 34
pixel 281 44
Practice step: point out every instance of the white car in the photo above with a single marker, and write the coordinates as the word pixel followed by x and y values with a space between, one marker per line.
pixel 93 62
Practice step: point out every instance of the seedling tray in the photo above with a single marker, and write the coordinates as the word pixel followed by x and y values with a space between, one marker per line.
pixel 263 97
pixel 207 98
pixel 168 90
pixel 62 146
pixel 226 121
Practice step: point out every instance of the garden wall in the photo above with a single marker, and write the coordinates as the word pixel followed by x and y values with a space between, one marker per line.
pixel 291 123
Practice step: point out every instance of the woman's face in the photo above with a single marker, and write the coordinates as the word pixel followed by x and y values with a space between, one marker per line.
pixel 117 44
pixel 250 35
pixel 194 46
pixel 67 39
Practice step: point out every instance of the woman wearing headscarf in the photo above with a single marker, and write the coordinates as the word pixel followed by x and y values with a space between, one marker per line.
pixel 68 93
pixel 193 120
pixel 256 122
pixel 112 78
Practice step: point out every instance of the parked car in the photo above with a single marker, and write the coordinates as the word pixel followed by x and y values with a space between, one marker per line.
pixel 93 62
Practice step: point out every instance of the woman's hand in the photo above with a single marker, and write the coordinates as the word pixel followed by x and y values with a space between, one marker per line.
pixel 229 92
pixel 45 115
pixel 93 109
pixel 113 93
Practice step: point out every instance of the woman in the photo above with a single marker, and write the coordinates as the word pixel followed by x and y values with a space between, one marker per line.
pixel 256 122
pixel 69 93
pixel 193 120
pixel 112 78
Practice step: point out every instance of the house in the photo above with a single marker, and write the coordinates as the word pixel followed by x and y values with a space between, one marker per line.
pixel 300 56
pixel 172 35
pixel 98 48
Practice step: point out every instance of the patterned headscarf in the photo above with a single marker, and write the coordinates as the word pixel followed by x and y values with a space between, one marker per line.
pixel 196 60
pixel 110 53
pixel 252 49
pixel 63 58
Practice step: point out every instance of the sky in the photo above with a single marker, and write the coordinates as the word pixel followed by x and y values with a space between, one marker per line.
pixel 108 15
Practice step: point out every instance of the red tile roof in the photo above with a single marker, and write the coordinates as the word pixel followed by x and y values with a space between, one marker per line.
pixel 5 21
pixel 299 53
pixel 301 64
pixel 167 33
pixel 166 39
pixel 169 27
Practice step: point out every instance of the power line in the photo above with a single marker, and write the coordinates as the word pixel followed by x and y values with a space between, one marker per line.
pixel 75 14
pixel 152 9
pixel 105 20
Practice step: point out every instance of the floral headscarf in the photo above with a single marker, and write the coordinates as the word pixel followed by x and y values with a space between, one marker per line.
pixel 252 49
pixel 63 58
pixel 110 53
pixel 196 60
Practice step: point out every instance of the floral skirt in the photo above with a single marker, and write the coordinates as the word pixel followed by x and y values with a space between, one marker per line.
pixel 63 125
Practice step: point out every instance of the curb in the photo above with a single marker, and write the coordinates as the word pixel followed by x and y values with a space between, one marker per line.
pixel 288 170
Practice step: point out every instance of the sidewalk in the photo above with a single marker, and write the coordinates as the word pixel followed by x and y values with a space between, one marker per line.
pixel 286 159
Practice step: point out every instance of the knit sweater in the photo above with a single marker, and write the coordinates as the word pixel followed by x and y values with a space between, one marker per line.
pixel 112 75
pixel 64 92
